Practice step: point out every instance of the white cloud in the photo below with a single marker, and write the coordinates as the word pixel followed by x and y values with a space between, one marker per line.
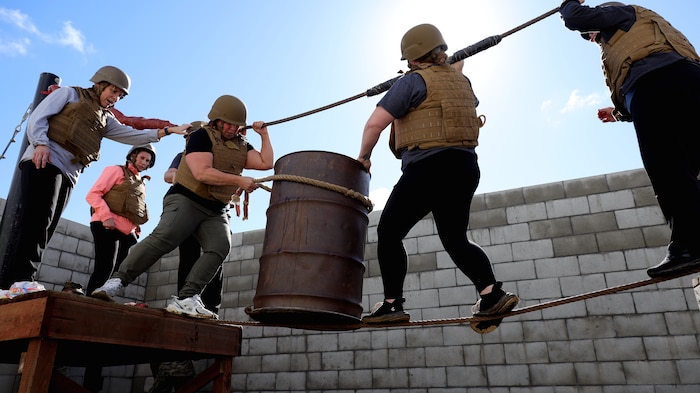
pixel 69 36
pixel 577 101
pixel 20 20
pixel 13 48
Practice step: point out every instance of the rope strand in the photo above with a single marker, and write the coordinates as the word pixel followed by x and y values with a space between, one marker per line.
pixel 517 311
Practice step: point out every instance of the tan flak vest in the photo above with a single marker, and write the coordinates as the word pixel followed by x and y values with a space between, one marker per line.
pixel 648 35
pixel 128 199
pixel 80 126
pixel 229 156
pixel 447 117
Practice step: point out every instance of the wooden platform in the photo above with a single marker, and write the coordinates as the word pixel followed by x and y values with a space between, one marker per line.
pixel 46 329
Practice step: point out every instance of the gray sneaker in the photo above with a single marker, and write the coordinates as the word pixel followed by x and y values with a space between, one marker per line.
pixel 191 306
pixel 112 287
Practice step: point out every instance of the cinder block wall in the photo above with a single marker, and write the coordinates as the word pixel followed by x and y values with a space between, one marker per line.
pixel 546 242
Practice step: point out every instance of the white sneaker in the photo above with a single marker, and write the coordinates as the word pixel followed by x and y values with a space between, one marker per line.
pixel 109 289
pixel 191 306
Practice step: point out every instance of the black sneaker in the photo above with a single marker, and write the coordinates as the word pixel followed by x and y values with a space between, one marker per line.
pixel 384 312
pixel 674 263
pixel 495 303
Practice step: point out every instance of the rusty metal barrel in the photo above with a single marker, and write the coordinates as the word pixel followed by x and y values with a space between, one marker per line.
pixel 312 261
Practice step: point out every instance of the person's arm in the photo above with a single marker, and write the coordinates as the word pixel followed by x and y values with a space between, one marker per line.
pixel 128 135
pixel 38 122
pixel 377 122
pixel 140 123
pixel 605 19
pixel 110 176
pixel 201 166
pixel 169 175
pixel 265 158
pixel 200 160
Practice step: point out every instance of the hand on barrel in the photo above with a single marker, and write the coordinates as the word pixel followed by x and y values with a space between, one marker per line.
pixel 366 162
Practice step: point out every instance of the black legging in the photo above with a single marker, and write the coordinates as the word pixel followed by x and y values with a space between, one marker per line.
pixel 44 194
pixel 443 184
pixel 111 247
pixel 663 108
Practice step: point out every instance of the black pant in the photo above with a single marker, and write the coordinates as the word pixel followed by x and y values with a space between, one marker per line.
pixel 44 195
pixel 663 108
pixel 443 184
pixel 111 247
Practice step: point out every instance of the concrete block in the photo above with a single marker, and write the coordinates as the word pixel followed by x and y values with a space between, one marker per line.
pixel 553 374
pixel 557 267
pixel 592 223
pixel 533 249
pixel 543 192
pixel 623 199
pixel 505 198
pixel 526 213
pixel 569 207
pixel 585 186
pixel 488 218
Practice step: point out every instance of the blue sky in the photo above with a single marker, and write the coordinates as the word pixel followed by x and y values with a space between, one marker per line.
pixel 539 88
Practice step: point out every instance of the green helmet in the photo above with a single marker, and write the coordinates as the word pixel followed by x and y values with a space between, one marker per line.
pixel 114 76
pixel 139 148
pixel 420 40
pixel 229 109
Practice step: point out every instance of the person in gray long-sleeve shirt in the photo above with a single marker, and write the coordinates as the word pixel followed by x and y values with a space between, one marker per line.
pixel 64 133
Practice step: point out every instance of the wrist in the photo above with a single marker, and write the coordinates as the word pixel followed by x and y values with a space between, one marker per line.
pixel 166 131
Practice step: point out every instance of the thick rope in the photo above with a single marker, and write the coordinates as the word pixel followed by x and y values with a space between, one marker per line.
pixel 321 184
pixel 459 55
pixel 517 311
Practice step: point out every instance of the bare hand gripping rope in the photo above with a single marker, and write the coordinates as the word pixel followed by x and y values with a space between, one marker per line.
pixel 457 56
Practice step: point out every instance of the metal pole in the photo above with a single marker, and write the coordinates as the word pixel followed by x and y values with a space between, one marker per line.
pixel 10 226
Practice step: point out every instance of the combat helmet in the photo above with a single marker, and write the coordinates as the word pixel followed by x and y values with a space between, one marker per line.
pixel 229 109
pixel 420 40
pixel 114 76
pixel 147 147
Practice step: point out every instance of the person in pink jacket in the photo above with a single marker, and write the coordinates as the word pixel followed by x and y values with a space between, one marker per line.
pixel 118 206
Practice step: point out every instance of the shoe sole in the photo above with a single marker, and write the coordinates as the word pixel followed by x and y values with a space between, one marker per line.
pixel 488 326
pixel 186 314
pixel 387 318
pixel 102 296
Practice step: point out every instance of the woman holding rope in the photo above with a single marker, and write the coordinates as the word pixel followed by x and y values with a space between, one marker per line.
pixel 197 204
pixel 434 126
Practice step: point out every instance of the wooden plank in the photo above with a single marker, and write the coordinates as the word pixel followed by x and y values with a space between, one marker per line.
pixel 22 319
pixel 82 319
pixel 38 366
pixel 54 328
pixel 222 384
